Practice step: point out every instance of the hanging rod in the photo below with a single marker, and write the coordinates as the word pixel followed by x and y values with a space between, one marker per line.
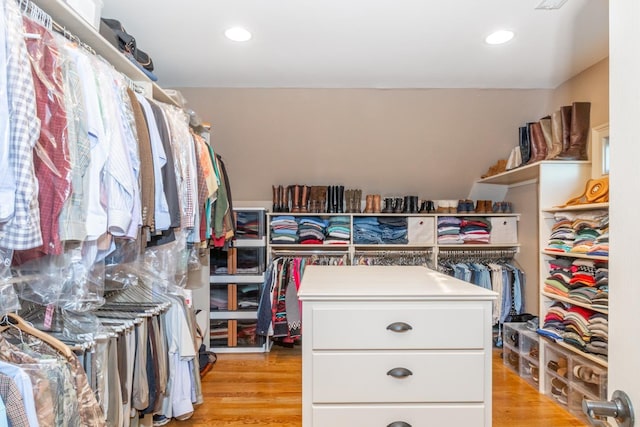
pixel 289 252
pixel 361 252
pixel 478 253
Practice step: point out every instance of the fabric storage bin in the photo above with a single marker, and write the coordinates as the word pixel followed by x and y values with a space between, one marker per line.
pixel 504 229
pixel 421 230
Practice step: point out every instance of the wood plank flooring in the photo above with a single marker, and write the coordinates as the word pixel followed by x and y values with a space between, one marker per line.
pixel 265 390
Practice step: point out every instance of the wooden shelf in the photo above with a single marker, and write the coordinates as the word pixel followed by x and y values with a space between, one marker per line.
pixel 362 214
pixel 64 15
pixel 585 207
pixel 394 246
pixel 576 255
pixel 524 173
pixel 574 302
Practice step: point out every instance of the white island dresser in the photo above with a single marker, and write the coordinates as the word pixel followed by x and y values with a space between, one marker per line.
pixel 394 346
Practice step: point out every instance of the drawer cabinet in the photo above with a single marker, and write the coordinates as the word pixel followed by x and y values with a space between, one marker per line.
pixel 394 346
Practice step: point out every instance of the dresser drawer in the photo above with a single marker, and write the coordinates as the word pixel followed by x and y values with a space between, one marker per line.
pixel 422 326
pixel 470 415
pixel 363 377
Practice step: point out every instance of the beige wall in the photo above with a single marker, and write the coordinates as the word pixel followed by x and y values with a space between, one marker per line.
pixel 591 85
pixel 430 143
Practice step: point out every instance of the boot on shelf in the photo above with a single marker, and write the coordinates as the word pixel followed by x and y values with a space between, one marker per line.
pixel 377 203
pixel 295 199
pixel 537 143
pixel 313 199
pixel 556 135
pixel 304 198
pixel 525 147
pixel 415 207
pixel 398 205
pixel 276 203
pixel 347 200
pixel 545 124
pixel 357 201
pixel 284 198
pixel 330 199
pixel 388 205
pixel 579 132
pixel 340 199
pixel 369 204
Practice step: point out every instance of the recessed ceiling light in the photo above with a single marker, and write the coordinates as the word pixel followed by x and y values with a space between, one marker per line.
pixel 499 37
pixel 238 34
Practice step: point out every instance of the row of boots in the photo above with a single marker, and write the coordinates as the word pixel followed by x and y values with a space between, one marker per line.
pixel 315 199
pixel 561 136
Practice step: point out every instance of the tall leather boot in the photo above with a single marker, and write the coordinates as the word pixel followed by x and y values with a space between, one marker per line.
pixel 276 206
pixel 579 134
pixel 348 201
pixel 283 199
pixel 538 143
pixel 322 199
pixel 556 135
pixel 369 204
pixel 340 199
pixel 414 204
pixel 357 201
pixel 525 148
pixel 406 205
pixel 295 199
pixel 304 198
pixel 565 113
pixel 545 123
pixel 330 199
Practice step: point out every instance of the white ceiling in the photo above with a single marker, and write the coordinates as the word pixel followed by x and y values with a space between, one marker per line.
pixel 365 43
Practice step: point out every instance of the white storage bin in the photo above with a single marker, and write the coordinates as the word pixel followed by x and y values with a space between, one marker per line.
pixel 504 229
pixel 421 230
pixel 89 10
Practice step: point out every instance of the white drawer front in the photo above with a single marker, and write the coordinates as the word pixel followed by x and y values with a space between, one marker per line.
pixel 412 415
pixel 366 326
pixel 362 377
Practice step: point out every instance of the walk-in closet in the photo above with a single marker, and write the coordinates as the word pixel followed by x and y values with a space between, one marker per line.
pixel 318 214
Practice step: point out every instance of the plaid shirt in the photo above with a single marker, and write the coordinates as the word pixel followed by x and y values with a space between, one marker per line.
pixel 51 154
pixel 10 394
pixel 23 230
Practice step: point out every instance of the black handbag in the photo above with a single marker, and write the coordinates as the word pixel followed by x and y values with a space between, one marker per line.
pixel 114 32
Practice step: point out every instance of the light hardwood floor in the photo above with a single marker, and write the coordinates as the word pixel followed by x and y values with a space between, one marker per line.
pixel 265 390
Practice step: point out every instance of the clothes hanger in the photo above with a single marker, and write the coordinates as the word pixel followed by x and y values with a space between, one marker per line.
pixel 13 320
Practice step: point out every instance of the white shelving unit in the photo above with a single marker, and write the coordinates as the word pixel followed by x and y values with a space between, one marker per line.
pixel 428 245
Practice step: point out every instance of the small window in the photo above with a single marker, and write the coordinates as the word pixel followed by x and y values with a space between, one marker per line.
pixel 605 155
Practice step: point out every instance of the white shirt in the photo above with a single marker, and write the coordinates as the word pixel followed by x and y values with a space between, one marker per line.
pixel 96 210
pixel 118 176
pixel 162 217
pixel 23 381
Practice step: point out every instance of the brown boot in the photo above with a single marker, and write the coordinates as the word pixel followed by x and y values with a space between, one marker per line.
pixel 538 143
pixel 295 198
pixel 565 112
pixel 283 198
pixel 545 123
pixel 556 135
pixel 357 201
pixel 369 204
pixel 348 201
pixel 579 134
pixel 304 198
pixel 377 203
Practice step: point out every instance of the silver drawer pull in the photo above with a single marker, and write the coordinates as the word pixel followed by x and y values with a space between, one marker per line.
pixel 399 327
pixel 399 424
pixel 399 372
